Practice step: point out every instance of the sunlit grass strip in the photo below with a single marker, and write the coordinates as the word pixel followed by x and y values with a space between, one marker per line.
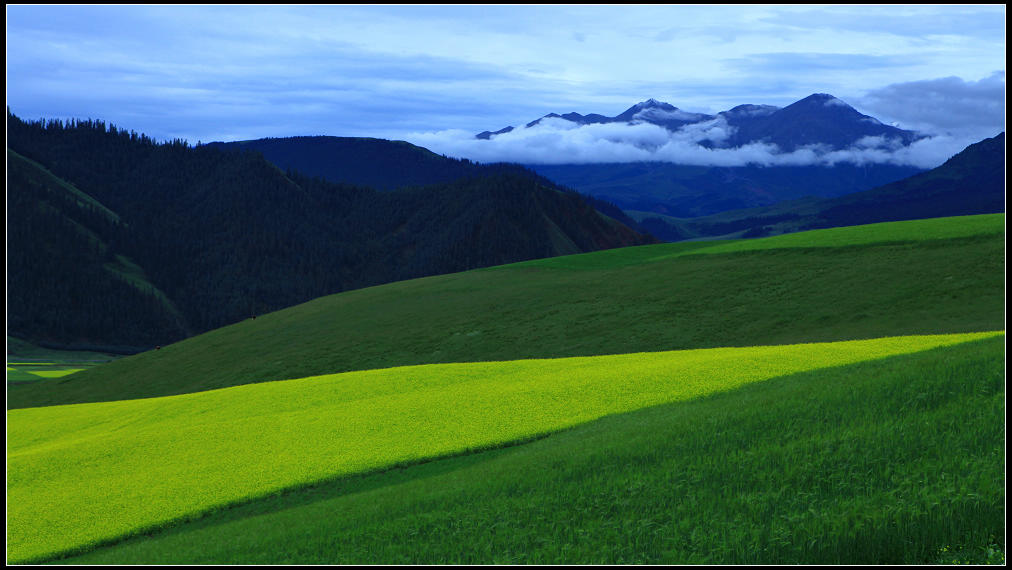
pixel 54 373
pixel 884 232
pixel 84 473
pixel 36 370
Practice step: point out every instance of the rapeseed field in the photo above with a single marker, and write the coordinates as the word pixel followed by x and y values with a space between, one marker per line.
pixel 83 474
pixel 896 460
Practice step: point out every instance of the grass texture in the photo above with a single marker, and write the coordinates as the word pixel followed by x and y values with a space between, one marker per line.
pixel 81 474
pixel 896 460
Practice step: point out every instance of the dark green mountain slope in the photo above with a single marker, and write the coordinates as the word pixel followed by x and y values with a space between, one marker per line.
pixel 971 182
pixel 56 230
pixel 225 234
pixel 383 164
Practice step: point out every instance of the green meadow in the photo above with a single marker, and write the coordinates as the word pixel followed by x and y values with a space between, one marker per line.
pixel 834 396
pixel 891 461
pixel 81 474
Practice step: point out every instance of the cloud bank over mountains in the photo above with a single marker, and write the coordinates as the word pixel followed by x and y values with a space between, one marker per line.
pixel 947 114
pixel 556 141
pixel 552 143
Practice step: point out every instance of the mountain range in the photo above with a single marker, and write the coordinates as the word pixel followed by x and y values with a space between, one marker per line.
pixel 819 119
pixel 819 123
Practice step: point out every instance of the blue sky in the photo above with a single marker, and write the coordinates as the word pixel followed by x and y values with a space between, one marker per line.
pixel 435 75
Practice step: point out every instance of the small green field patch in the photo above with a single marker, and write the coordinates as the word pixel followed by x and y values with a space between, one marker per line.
pixel 55 373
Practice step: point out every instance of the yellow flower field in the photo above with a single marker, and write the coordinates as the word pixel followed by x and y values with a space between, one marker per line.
pixel 84 473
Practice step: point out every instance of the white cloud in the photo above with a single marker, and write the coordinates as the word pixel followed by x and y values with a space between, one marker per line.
pixel 558 141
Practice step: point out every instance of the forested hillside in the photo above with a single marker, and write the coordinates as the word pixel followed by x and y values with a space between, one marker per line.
pixel 376 163
pixel 210 236
pixel 66 271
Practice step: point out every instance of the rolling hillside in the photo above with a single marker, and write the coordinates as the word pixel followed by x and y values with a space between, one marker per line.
pixel 917 277
pixel 55 230
pixel 832 396
pixel 832 466
pixel 172 458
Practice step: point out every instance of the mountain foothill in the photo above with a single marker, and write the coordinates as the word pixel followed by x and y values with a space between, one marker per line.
pixel 120 243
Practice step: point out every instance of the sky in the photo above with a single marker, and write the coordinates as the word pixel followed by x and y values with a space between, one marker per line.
pixel 435 75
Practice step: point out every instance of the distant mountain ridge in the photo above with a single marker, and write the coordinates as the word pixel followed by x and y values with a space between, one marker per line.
pixel 687 191
pixel 819 122
pixel 970 182
pixel 819 119
pixel 377 163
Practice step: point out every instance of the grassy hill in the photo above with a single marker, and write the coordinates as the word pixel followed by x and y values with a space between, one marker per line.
pixel 834 396
pixel 80 475
pixel 915 277
pixel 28 363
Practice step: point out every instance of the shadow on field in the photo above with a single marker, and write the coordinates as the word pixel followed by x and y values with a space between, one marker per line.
pixel 301 495
pixel 822 466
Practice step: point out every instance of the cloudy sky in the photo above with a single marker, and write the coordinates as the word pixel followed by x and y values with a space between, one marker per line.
pixel 436 75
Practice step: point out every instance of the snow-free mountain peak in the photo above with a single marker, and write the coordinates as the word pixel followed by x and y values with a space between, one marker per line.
pixel 749 110
pixel 817 100
pixel 820 120
pixel 652 103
